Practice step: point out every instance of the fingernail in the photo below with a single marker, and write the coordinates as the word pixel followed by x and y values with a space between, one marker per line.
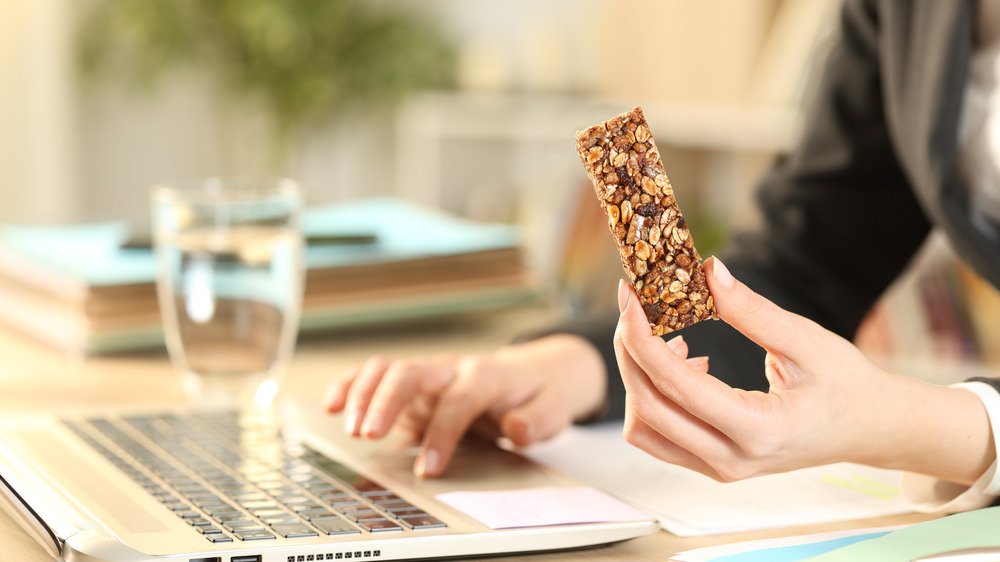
pixel 428 462
pixel 373 424
pixel 698 361
pixel 675 343
pixel 722 275
pixel 623 295
pixel 351 422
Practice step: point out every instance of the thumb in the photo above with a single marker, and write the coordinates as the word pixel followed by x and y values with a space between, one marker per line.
pixel 767 324
pixel 541 417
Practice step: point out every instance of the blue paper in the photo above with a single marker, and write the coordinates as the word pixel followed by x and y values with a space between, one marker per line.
pixel 796 552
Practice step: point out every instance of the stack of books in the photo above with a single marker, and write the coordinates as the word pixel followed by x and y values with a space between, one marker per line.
pixel 84 289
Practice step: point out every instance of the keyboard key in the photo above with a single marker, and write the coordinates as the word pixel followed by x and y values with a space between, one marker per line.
pixel 422 521
pixel 284 490
pixel 288 500
pixel 300 507
pixel 207 499
pixel 221 514
pixel 209 530
pixel 397 503
pixel 201 522
pixel 212 508
pixel 255 497
pixel 335 527
pixel 187 514
pixel 335 497
pixel 280 519
pixel 322 487
pixel 268 513
pixel 238 490
pixel 260 535
pixel 362 514
pixel 242 524
pixel 218 538
pixel 191 489
pixel 294 531
pixel 348 506
pixel 402 511
pixel 313 511
pixel 319 515
pixel 252 505
pixel 379 525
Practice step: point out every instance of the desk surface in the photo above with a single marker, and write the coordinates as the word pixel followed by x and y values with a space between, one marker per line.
pixel 33 377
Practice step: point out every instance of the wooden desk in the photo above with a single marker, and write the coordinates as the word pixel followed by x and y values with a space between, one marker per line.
pixel 34 378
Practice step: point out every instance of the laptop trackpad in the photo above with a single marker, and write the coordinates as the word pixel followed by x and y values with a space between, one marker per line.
pixel 64 462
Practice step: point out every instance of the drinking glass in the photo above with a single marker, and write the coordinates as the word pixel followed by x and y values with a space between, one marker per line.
pixel 229 282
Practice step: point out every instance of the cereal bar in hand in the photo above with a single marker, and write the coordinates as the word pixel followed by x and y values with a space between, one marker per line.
pixel 653 239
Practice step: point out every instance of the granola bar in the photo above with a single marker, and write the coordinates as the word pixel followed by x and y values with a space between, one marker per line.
pixel 654 243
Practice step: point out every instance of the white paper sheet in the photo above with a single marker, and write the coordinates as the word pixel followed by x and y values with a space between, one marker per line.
pixel 689 504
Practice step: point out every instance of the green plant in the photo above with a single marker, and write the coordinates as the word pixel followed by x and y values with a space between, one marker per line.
pixel 305 60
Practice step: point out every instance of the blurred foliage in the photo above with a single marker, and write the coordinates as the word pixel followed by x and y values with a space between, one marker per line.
pixel 710 231
pixel 306 60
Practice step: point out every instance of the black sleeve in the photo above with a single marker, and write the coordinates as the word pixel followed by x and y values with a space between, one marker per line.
pixel 994 382
pixel 599 328
pixel 840 221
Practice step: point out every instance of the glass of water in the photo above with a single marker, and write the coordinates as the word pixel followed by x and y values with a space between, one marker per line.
pixel 230 277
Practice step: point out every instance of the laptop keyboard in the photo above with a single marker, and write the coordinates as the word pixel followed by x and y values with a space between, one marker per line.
pixel 236 479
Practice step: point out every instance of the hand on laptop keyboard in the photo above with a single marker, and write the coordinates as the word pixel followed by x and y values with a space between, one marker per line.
pixel 526 392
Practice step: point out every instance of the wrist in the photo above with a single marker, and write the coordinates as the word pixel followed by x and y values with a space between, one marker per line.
pixel 575 366
pixel 929 429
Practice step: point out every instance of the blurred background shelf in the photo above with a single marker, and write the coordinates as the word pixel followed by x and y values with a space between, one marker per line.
pixel 484 133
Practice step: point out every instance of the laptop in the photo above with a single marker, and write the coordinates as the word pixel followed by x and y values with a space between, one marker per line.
pixel 288 486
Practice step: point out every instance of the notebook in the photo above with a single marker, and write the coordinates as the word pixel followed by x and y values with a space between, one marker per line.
pixel 286 486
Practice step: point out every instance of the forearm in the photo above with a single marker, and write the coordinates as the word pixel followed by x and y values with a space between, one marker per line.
pixel 595 330
pixel 930 429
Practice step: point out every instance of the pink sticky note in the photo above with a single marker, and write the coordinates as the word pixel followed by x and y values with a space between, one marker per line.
pixel 535 507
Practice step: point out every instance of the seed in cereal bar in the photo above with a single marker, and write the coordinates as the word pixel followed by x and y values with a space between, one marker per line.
pixel 653 239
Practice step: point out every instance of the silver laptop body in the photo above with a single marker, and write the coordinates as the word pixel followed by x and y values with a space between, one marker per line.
pixel 210 486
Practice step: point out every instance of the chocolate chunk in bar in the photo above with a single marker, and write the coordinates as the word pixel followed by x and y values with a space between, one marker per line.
pixel 654 243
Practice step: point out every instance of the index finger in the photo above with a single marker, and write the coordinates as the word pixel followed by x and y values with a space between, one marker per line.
pixel 402 382
pixel 476 387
